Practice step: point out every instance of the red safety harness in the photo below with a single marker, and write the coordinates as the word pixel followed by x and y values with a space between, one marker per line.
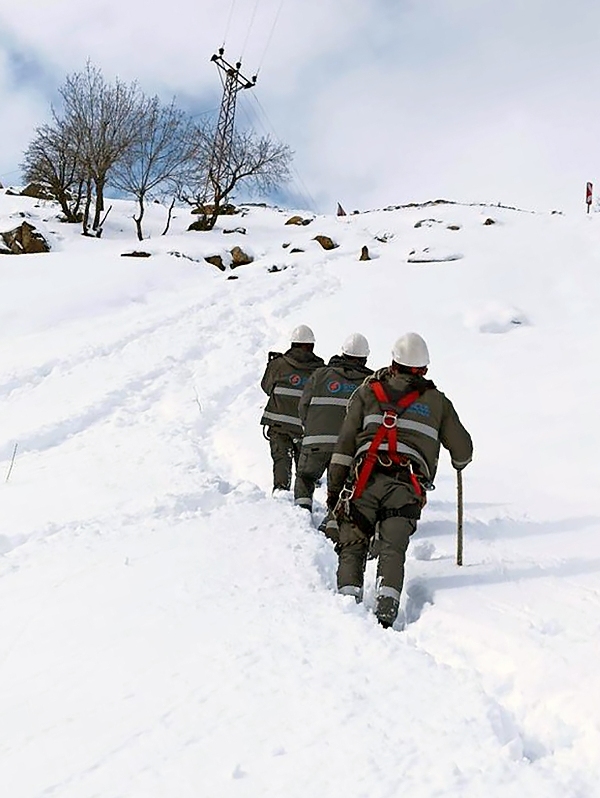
pixel 388 430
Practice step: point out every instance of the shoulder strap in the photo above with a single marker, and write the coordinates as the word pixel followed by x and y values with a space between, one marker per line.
pixel 403 402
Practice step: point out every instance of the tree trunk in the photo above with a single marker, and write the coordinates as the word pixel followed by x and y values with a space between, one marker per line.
pixel 169 217
pixel 61 196
pixel 77 205
pixel 138 219
pixel 99 183
pixel 88 203
pixel 211 219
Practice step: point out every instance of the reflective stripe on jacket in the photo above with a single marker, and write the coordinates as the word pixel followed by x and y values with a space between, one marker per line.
pixel 325 398
pixel 283 380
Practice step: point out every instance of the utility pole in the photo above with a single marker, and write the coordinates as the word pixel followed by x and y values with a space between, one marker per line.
pixel 219 169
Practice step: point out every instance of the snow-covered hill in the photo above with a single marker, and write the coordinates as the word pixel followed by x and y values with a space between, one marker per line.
pixel 169 629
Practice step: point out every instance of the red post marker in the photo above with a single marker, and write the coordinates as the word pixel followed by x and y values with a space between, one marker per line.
pixel 588 196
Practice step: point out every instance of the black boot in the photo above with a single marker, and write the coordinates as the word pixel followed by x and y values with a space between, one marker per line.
pixel 386 611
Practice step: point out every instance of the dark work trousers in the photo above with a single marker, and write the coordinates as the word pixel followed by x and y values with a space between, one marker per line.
pixel 385 494
pixel 284 449
pixel 312 464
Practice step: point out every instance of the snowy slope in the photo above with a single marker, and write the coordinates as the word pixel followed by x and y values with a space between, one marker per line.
pixel 168 629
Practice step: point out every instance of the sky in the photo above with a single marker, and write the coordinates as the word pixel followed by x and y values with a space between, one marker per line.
pixel 384 102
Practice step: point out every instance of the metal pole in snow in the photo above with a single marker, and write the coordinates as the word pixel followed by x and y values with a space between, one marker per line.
pixel 459 524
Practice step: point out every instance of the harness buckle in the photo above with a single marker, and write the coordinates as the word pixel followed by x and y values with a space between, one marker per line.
pixel 389 419
pixel 346 494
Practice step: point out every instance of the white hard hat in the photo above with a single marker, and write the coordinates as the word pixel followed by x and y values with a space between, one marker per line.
pixel 302 335
pixel 411 350
pixel 356 345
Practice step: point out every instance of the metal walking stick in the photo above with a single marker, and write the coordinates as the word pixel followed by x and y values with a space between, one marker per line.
pixel 459 518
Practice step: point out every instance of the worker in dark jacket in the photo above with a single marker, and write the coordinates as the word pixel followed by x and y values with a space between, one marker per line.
pixel 284 379
pixel 322 410
pixel 386 455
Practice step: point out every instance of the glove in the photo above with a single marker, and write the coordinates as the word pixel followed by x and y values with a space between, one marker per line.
pixel 460 466
pixel 332 500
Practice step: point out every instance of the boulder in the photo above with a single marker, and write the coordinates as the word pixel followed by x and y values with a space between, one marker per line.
pixel 25 240
pixel 364 253
pixel 37 191
pixel 207 210
pixel 427 223
pixel 489 221
pixel 216 260
pixel 240 230
pixel 298 220
pixel 199 225
pixel 239 257
pixel 453 227
pixel 326 242
pixel 295 250
pixel 135 254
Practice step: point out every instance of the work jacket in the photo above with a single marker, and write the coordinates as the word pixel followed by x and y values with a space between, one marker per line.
pixel 325 398
pixel 284 379
pixel 428 422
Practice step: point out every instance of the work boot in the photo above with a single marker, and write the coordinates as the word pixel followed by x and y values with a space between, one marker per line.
pixel 352 590
pixel 304 502
pixel 386 611
pixel 329 527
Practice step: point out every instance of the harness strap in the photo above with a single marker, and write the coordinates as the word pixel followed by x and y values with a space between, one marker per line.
pixel 388 430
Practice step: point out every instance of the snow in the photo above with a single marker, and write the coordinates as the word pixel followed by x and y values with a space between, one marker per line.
pixel 167 628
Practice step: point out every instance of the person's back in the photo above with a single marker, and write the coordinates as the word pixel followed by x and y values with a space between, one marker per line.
pixel 425 424
pixel 322 410
pixel 284 379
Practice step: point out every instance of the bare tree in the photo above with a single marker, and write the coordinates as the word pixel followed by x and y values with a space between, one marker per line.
pixel 105 117
pixel 259 163
pixel 161 150
pixel 52 159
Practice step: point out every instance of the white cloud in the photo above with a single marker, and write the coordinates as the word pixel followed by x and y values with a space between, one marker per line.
pixel 383 101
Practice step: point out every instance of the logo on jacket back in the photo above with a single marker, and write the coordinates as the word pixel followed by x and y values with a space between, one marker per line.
pixel 341 387
pixel 420 408
pixel 296 380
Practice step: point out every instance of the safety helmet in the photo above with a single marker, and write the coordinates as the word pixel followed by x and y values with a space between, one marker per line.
pixel 302 335
pixel 411 350
pixel 356 345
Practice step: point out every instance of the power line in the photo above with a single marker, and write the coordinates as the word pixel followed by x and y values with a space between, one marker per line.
pixel 270 36
pixel 250 26
pixel 303 192
pixel 229 18
pixel 209 112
